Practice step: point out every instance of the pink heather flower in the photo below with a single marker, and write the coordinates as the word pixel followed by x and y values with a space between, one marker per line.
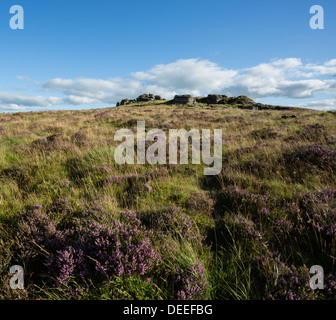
pixel 65 183
pixel 105 169
pixel 148 187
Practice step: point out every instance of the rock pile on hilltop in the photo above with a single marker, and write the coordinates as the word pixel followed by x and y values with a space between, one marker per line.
pixel 183 99
pixel 213 99
pixel 187 99
pixel 142 98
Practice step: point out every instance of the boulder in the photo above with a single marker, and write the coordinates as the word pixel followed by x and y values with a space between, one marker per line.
pixel 142 98
pixel 146 97
pixel 125 102
pixel 288 116
pixel 215 98
pixel 184 99
pixel 241 100
pixel 201 100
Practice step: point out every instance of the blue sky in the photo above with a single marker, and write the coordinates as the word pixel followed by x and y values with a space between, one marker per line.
pixel 82 54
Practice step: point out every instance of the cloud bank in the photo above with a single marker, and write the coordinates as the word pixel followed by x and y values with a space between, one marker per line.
pixel 283 78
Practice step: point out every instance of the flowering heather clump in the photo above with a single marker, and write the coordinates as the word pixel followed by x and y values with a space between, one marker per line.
pixel 173 167
pixel 330 286
pixel 321 212
pixel 121 178
pixel 121 249
pixel 293 284
pixel 265 133
pixel 256 216
pixel 36 231
pixel 326 196
pixel 291 207
pixel 201 203
pixel 102 115
pixel 282 226
pixel 190 170
pixel 247 203
pixel 156 173
pixel 192 284
pixel 314 155
pixel 104 169
pixel 148 187
pixel 60 206
pixel 83 249
pixel 53 142
pixel 312 132
pixel 288 283
pixel 246 228
pixel 65 183
pixel 315 127
pixel 174 222
pixel 147 176
pixel 40 143
pixel 80 139
pixel 66 264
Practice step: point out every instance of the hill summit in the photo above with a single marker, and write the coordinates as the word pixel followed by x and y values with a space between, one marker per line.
pixel 212 99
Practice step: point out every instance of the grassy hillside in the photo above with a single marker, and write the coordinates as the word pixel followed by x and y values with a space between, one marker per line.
pixel 85 227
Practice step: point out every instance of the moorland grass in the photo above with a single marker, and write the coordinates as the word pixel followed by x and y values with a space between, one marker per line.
pixel 85 227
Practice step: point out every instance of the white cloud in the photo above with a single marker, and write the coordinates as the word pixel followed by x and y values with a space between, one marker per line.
pixel 27 100
pixel 281 78
pixel 80 85
pixel 288 78
pixel 328 68
pixel 12 107
pixel 23 78
pixel 328 104
pixel 284 78
pixel 301 88
pixel 94 90
pixel 190 75
pixel 76 100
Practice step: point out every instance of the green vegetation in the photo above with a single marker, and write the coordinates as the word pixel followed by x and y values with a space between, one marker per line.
pixel 84 227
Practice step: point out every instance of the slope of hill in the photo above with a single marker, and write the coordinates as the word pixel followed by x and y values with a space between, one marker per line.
pixel 85 227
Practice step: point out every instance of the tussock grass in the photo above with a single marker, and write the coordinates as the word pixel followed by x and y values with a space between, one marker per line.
pixel 258 224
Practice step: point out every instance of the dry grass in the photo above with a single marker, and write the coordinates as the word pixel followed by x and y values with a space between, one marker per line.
pixel 69 155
